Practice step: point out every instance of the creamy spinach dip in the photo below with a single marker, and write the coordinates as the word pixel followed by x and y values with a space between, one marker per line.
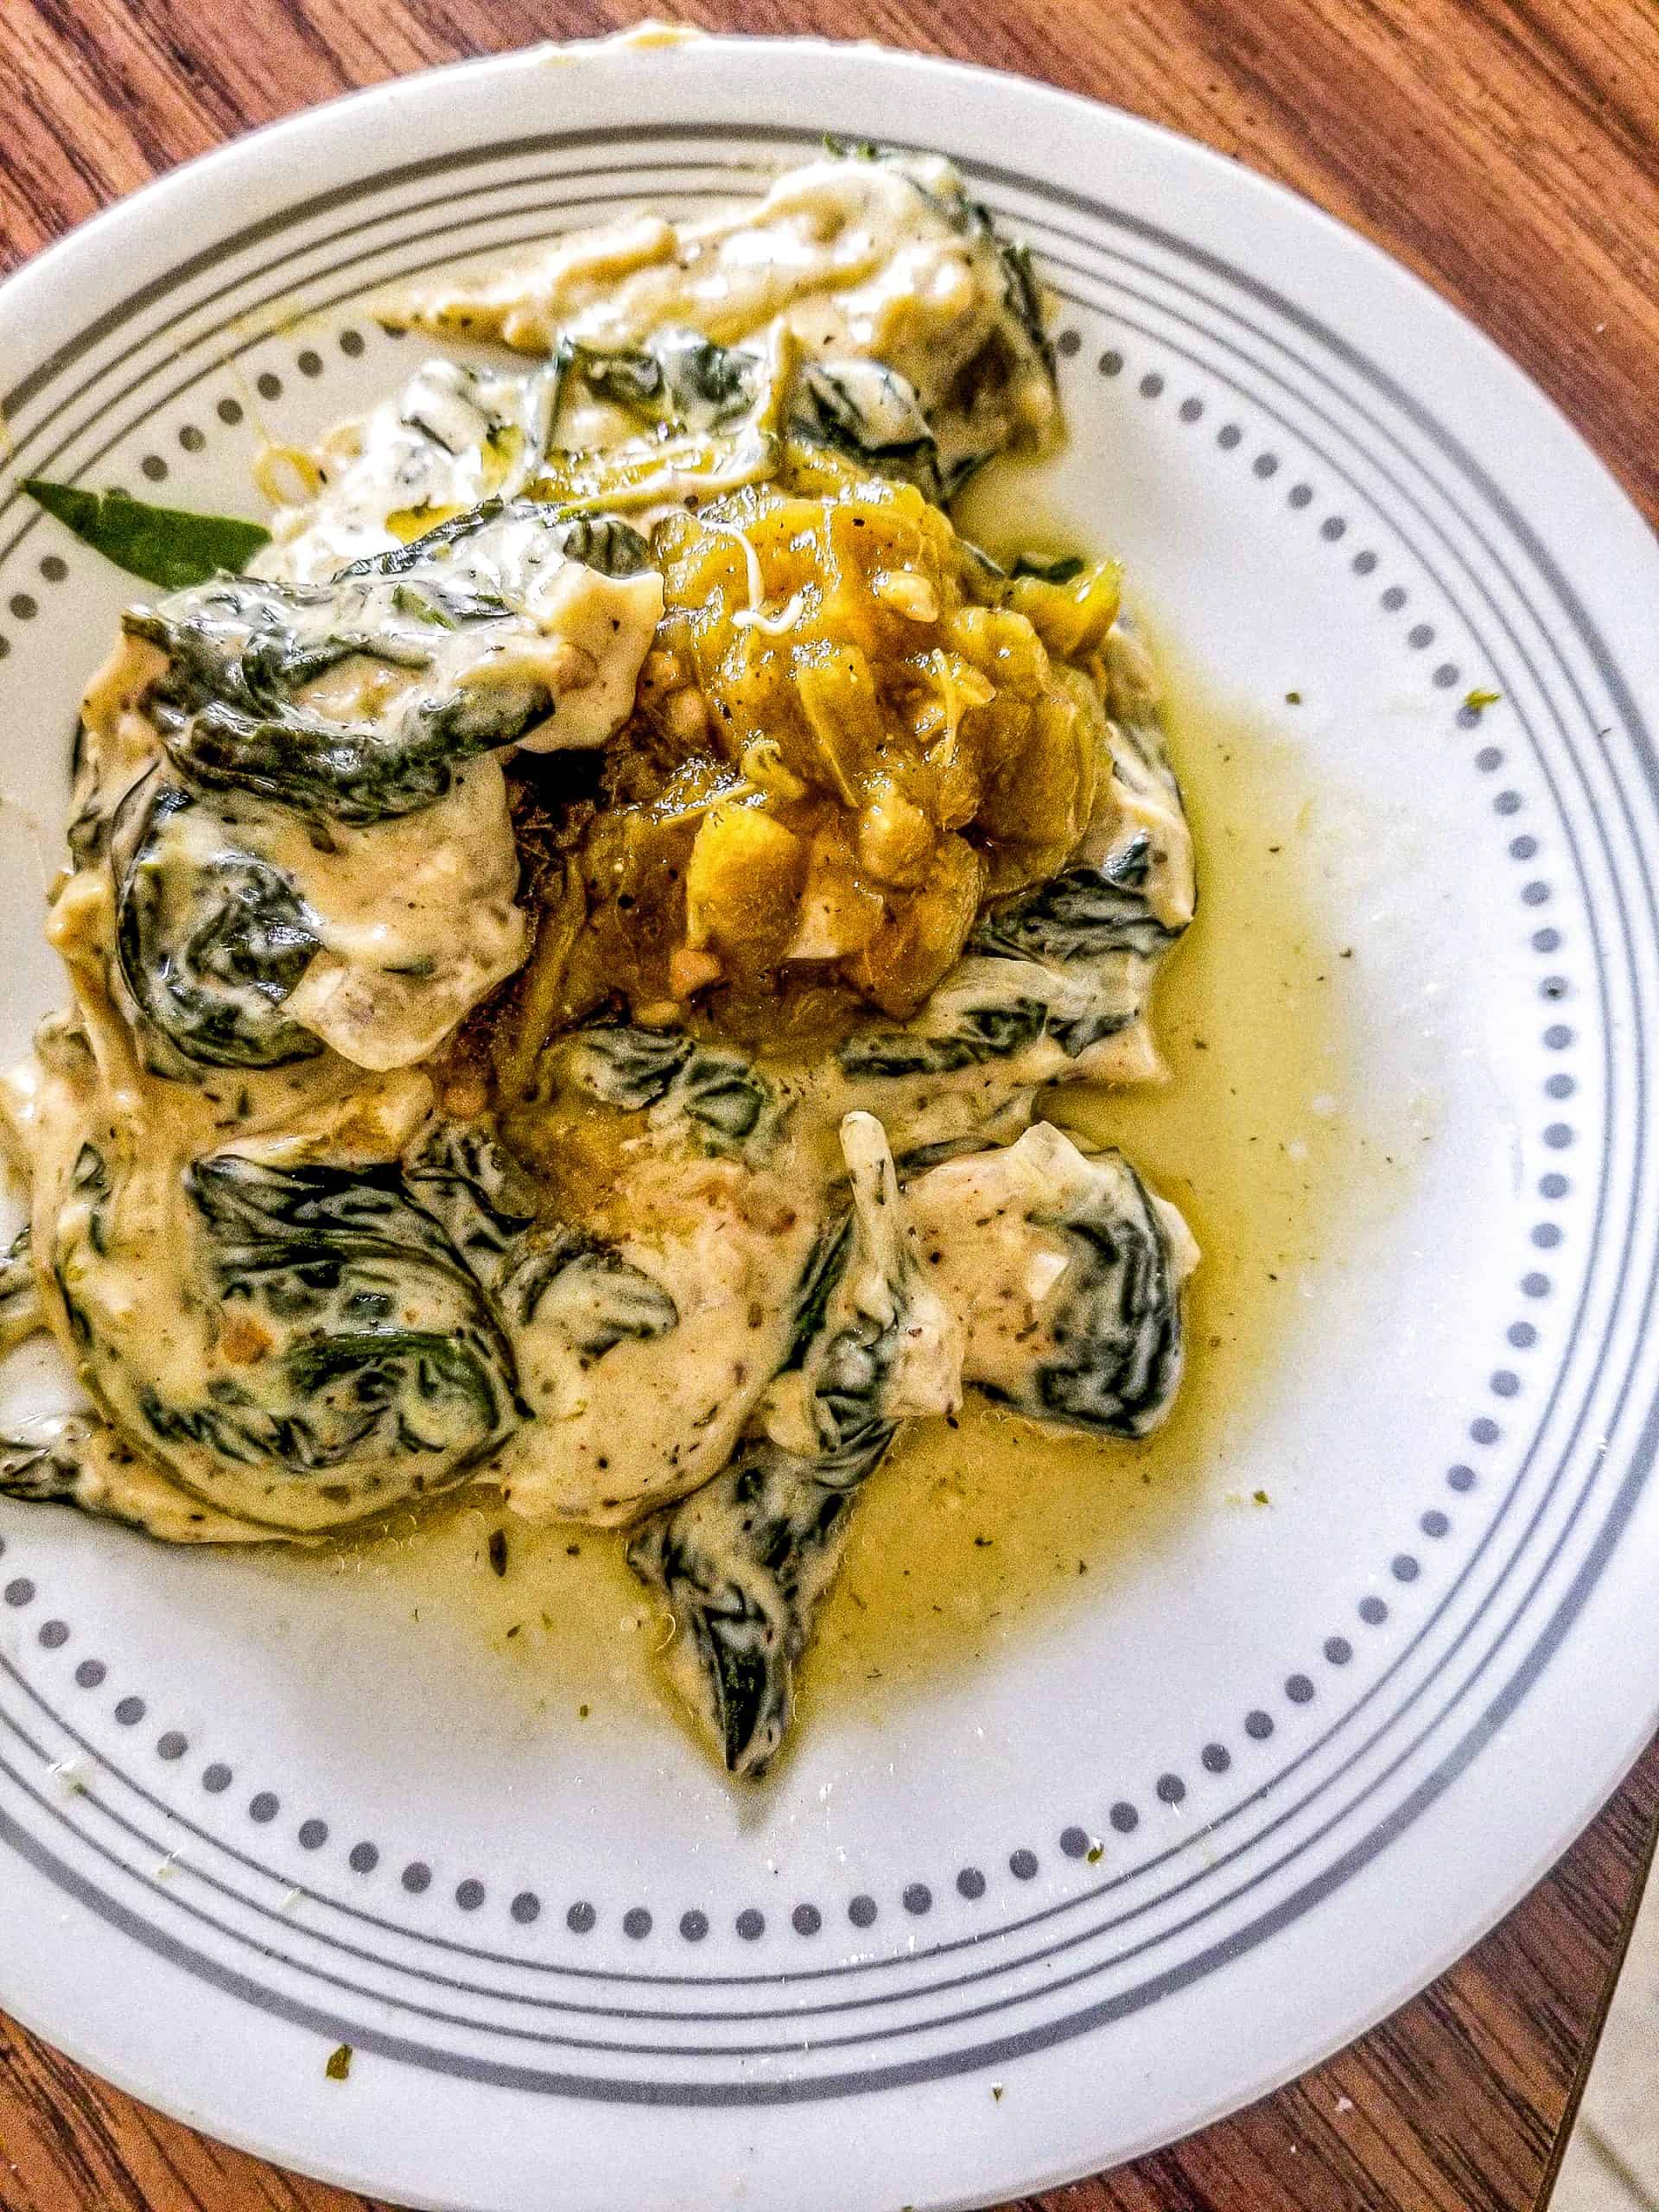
pixel 568 931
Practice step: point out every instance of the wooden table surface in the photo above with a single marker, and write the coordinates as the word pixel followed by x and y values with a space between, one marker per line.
pixel 1507 150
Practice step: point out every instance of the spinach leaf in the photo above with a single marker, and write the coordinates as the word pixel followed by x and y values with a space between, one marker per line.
pixel 240 652
pixel 994 1030
pixel 992 1010
pixel 169 546
pixel 348 1357
pixel 627 1067
pixel 341 1338
pixel 20 1314
pixel 1085 913
pixel 1021 293
pixel 93 1187
pixel 44 1469
pixel 331 774
pixel 1118 1345
pixel 210 940
pixel 1100 1348
pixel 744 1564
pixel 539 1273
pixel 77 1460
pixel 383 1344
pixel 823 1270
pixel 604 543
pixel 595 1298
pixel 1063 571
pixel 729 1104
pixel 461 411
pixel 467 1183
pixel 723 1095
pixel 870 411
pixel 677 381
pixel 49 1467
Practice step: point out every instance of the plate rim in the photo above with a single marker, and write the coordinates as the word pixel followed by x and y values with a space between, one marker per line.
pixel 43 266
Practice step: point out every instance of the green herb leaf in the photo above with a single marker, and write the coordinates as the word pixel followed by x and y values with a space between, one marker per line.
pixel 339 2062
pixel 1477 702
pixel 164 545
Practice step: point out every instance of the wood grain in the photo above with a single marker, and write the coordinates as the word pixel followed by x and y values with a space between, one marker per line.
pixel 1506 149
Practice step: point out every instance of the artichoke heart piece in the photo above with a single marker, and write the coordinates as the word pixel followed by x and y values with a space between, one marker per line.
pixel 742 884
pixel 744 1564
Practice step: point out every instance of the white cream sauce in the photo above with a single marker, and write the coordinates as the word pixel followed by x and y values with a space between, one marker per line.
pixel 877 260
pixel 415 917
pixel 992 1231
pixel 451 437
pixel 728 1243
pixel 883 266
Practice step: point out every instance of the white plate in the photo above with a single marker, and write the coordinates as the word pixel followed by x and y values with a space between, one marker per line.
pixel 1153 1850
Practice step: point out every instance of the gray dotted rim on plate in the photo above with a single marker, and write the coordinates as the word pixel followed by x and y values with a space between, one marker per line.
pixel 1074 1842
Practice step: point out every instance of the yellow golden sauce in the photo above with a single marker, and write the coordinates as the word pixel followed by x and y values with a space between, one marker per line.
pixel 560 1638
pixel 1253 1013
pixel 971 1536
